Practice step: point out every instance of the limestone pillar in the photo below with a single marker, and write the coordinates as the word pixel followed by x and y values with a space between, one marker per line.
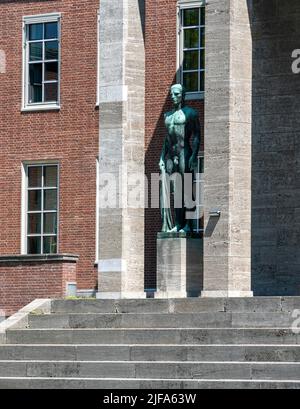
pixel 227 185
pixel 121 148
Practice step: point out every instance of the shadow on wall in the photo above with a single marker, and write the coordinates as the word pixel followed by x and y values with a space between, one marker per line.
pixel 142 15
pixel 275 149
pixel 194 275
pixel 152 155
pixel 155 134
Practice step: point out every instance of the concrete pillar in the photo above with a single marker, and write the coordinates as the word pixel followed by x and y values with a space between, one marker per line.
pixel 121 147
pixel 228 117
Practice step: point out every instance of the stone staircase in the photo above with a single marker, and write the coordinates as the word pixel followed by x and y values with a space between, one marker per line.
pixel 185 344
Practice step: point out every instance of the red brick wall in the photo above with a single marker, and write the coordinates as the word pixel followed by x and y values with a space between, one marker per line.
pixel 161 31
pixel 21 283
pixel 69 136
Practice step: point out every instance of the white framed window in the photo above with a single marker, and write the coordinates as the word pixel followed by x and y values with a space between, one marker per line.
pixel 98 56
pixel 191 47
pixel 40 208
pixel 41 62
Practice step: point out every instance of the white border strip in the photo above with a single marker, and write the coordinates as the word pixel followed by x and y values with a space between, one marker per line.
pixel 20 318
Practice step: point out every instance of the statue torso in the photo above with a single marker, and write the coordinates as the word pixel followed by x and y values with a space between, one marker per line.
pixel 177 126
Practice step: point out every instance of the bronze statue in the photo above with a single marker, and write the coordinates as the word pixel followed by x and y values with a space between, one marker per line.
pixel 178 157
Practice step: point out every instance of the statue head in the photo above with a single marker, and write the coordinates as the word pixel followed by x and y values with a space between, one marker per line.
pixel 177 94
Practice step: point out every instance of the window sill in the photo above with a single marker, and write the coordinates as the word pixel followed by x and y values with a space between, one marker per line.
pixel 38 258
pixel 197 96
pixel 36 108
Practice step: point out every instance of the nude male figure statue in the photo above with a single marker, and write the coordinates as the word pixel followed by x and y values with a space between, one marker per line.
pixel 178 156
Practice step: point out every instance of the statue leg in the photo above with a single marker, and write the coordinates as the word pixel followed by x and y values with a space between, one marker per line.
pixel 179 193
pixel 187 225
pixel 166 214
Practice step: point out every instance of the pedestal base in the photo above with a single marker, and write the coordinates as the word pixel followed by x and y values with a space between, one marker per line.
pixel 179 265
pixel 118 296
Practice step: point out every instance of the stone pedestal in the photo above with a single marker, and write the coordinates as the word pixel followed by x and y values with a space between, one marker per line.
pixel 179 265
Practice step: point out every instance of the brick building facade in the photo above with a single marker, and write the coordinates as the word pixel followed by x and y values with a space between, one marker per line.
pixel 67 136
pixel 50 111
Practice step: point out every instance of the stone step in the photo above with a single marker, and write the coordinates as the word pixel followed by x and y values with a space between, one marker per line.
pixel 242 353
pixel 255 304
pixel 166 320
pixel 155 370
pixel 151 384
pixel 154 336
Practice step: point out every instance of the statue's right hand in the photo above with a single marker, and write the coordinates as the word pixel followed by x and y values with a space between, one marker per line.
pixel 161 165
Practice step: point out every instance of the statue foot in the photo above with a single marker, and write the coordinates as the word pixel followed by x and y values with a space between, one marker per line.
pixel 174 230
pixel 186 229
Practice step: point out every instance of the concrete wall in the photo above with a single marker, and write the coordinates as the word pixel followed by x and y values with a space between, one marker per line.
pixel 276 149
pixel 121 143
pixel 227 171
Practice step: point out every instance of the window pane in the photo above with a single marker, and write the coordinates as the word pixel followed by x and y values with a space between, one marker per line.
pixel 51 71
pixel 35 176
pixel 34 200
pixel 51 30
pixel 191 60
pixel 202 81
pixel 35 94
pixel 191 38
pixel 50 245
pixel 51 50
pixel 35 83
pixel 202 59
pixel 190 81
pixel 35 32
pixel 202 12
pixel 201 165
pixel 50 223
pixel 50 176
pixel 35 51
pixel 51 92
pixel 202 39
pixel 50 199
pixel 191 17
pixel 34 223
pixel 34 245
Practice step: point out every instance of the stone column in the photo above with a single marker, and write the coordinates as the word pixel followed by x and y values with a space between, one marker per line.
pixel 121 147
pixel 228 117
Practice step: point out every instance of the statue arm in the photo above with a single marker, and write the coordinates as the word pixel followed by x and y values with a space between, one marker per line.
pixel 163 153
pixel 164 149
pixel 196 141
pixel 197 136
